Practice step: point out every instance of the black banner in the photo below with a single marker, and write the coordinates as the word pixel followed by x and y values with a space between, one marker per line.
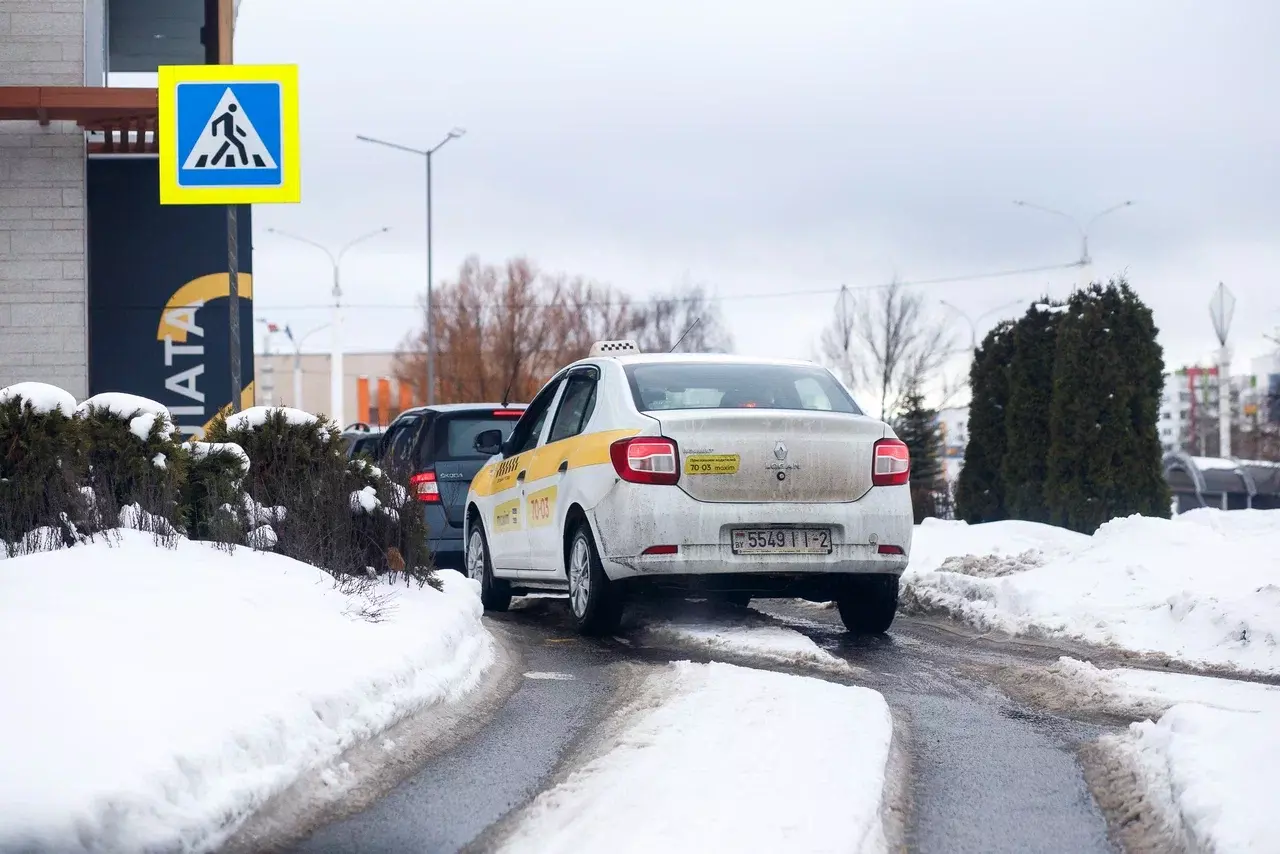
pixel 158 294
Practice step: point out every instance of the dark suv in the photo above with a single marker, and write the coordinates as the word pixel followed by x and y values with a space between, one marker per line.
pixel 434 449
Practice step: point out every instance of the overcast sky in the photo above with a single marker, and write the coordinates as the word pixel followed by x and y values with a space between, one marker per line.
pixel 768 148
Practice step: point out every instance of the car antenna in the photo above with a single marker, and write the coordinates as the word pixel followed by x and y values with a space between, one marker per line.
pixel 685 335
pixel 506 395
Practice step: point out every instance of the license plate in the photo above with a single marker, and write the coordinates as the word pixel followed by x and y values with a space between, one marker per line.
pixel 782 541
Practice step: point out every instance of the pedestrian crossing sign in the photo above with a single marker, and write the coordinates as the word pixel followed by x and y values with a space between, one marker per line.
pixel 228 135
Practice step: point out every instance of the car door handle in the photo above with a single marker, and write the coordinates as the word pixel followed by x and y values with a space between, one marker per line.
pixel 564 466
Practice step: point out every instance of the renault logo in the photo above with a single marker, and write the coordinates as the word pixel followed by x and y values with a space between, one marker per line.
pixel 780 451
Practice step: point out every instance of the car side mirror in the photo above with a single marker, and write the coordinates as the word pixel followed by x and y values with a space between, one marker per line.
pixel 489 442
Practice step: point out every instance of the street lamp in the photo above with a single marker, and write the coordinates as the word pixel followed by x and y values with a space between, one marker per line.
pixel 1085 261
pixel 297 360
pixel 335 338
pixel 973 326
pixel 431 328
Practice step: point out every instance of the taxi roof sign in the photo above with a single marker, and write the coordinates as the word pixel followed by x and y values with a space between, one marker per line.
pixel 614 348
pixel 229 135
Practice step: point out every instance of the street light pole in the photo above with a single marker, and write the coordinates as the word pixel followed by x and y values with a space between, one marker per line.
pixel 336 402
pixel 973 327
pixel 297 361
pixel 1085 261
pixel 431 326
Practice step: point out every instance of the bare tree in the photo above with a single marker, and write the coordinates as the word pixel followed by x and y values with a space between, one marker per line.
pixel 689 311
pixel 883 341
pixel 505 330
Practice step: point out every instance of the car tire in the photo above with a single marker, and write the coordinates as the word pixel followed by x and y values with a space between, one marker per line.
pixel 595 602
pixel 868 604
pixel 495 593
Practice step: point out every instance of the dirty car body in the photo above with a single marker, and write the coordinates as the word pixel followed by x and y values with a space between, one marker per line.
pixel 704 474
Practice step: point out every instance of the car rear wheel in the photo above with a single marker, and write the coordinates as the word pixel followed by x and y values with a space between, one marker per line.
pixel 868 603
pixel 595 601
pixel 495 593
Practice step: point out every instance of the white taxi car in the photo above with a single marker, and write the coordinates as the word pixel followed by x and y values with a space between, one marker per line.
pixel 706 474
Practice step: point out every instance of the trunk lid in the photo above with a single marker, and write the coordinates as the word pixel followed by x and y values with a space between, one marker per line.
pixel 753 455
pixel 454 458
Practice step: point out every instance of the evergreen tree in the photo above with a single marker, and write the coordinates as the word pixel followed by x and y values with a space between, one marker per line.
pixel 1104 453
pixel 980 489
pixel 1026 417
pixel 917 427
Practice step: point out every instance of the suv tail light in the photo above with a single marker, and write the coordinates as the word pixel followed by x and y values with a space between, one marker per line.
pixel 891 464
pixel 424 487
pixel 646 459
pixel 507 413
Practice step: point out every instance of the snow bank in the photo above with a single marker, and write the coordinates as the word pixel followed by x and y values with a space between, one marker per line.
pixel 735 760
pixel 172 691
pixel 1203 587
pixel 1211 761
pixel 43 398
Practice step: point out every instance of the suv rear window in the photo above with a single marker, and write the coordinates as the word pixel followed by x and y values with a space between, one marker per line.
pixel 457 441
pixel 700 385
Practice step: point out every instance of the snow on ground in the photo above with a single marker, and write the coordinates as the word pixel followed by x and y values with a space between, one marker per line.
pixel 742 634
pixel 154 697
pixel 1203 587
pixel 1212 759
pixel 724 758
pixel 44 398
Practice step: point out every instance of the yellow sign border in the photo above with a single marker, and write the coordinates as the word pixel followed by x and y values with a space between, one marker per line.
pixel 171 192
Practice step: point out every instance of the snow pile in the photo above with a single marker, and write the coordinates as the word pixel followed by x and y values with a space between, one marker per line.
pixel 365 500
pixel 1203 587
pixel 173 690
pixel 256 416
pixel 745 635
pixel 1211 764
pixel 43 398
pixel 735 760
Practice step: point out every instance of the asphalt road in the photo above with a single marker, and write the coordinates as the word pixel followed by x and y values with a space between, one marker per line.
pixel 985 774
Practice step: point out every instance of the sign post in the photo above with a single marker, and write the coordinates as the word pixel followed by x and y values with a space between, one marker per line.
pixel 229 135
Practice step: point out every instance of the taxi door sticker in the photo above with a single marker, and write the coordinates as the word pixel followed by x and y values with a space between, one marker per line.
pixel 542 507
pixel 506 516
pixel 711 464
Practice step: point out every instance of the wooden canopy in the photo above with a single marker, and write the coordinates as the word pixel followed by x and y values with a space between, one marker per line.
pixel 126 117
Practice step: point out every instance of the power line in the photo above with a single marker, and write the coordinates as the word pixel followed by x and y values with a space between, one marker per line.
pixel 616 303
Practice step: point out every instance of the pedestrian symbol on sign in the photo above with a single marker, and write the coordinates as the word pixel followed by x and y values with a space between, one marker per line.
pixel 229 140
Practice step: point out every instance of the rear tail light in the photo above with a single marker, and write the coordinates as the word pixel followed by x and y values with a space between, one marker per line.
pixel 646 459
pixel 507 413
pixel 891 464
pixel 424 487
pixel 661 550
pixel 890 550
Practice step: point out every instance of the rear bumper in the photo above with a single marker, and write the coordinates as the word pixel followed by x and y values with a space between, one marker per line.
pixel 633 517
pixel 444 541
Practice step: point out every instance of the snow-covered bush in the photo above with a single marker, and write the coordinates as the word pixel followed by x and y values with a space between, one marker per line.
pixel 133 458
pixel 340 515
pixel 213 491
pixel 41 504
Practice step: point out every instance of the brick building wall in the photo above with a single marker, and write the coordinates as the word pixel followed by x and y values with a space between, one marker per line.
pixel 43 290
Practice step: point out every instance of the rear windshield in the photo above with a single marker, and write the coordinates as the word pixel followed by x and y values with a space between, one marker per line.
pixel 691 385
pixel 458 439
